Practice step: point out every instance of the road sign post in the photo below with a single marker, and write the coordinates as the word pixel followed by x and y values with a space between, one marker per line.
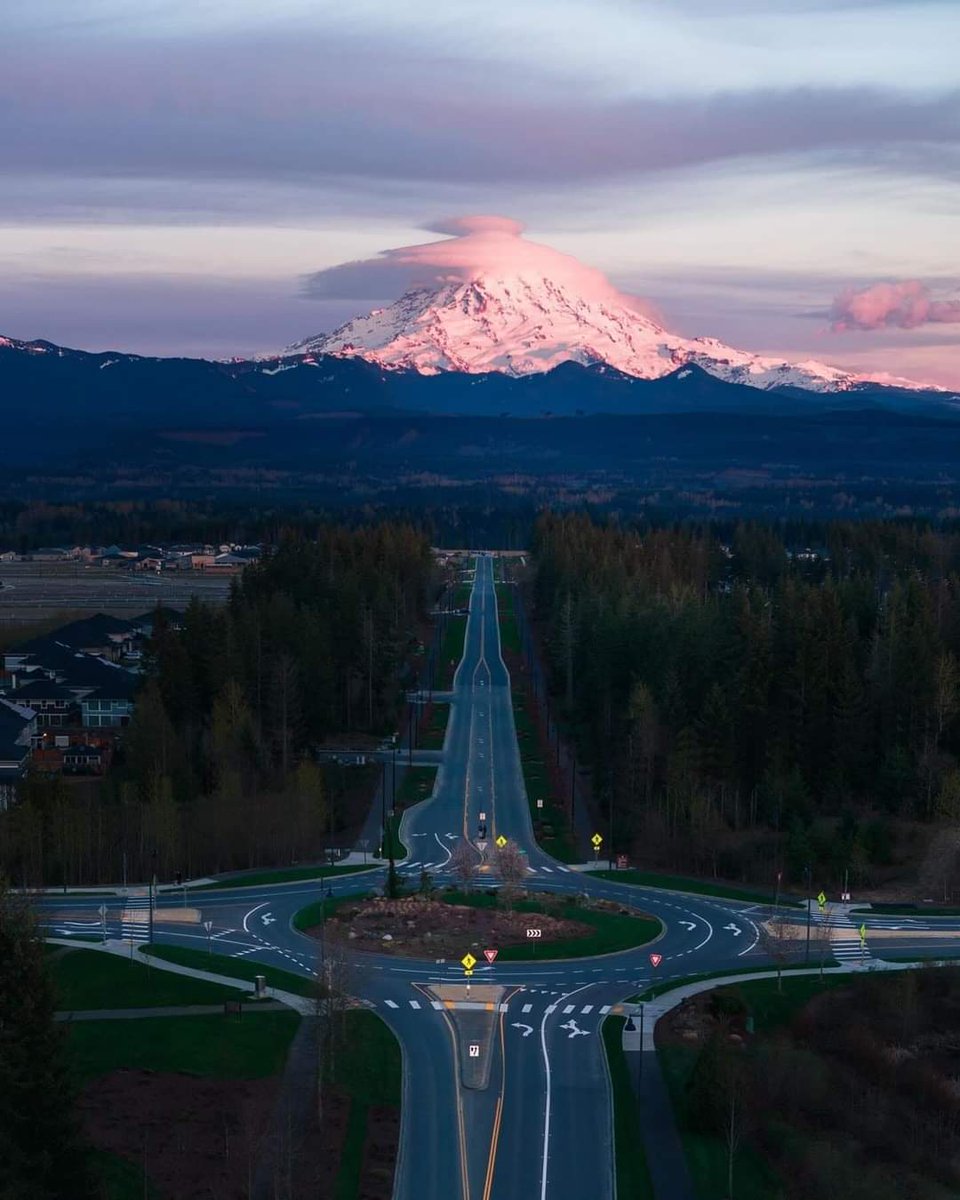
pixel 103 920
pixel 208 926
pixel 596 841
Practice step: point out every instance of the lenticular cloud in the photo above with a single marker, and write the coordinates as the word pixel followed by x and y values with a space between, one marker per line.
pixel 903 305
pixel 479 246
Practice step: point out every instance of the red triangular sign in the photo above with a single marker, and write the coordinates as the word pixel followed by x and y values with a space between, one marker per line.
pixel 656 960
pixel 490 955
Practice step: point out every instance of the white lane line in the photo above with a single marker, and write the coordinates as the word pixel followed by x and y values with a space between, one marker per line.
pixel 445 849
pixel 391 1004
pixel 250 914
pixel 546 1067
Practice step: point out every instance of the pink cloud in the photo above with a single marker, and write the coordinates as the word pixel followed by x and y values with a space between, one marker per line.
pixel 482 245
pixel 904 305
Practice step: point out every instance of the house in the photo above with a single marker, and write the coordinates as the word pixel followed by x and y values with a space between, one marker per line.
pixel 102 635
pixel 82 760
pixel 173 617
pixel 54 704
pixel 18 726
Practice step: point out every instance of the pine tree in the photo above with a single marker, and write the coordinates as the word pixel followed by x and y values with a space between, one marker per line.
pixel 41 1154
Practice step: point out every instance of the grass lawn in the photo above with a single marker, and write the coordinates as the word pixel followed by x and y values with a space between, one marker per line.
pixel 280 875
pixel 633 1178
pixel 706 1153
pixel 435 728
pixel 89 979
pixel 236 968
pixel 368 1067
pixel 451 651
pixel 907 910
pixel 218 1047
pixel 699 887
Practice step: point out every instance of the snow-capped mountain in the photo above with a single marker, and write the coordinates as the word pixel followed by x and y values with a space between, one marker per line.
pixel 526 323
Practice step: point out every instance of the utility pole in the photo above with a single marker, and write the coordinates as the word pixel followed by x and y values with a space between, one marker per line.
pixel 808 874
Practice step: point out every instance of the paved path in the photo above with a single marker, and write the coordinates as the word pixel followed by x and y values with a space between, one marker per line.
pixel 173 1010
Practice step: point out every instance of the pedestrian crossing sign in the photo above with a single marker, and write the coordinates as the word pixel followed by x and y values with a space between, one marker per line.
pixel 468 961
pixel 863 934
pixel 821 900
pixel 501 841
pixel 596 841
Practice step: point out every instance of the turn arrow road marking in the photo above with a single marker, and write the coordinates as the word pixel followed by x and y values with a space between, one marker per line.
pixel 689 924
pixel 527 1029
pixel 734 929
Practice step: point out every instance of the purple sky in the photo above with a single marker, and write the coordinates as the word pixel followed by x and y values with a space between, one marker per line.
pixel 176 177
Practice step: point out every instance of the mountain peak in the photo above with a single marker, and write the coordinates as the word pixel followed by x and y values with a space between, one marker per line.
pixel 524 322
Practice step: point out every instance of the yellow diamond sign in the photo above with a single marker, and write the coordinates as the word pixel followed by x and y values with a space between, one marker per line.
pixel 821 899
pixel 596 840
pixel 468 961
pixel 501 841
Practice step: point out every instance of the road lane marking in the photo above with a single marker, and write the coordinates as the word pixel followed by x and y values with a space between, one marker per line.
pixel 526 1008
pixel 391 1004
pixel 587 1008
pixel 414 1003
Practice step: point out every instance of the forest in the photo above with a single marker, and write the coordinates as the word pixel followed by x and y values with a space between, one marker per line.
pixel 215 772
pixel 747 710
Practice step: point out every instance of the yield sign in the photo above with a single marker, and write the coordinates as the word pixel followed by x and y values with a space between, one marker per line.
pixel 656 960
pixel 481 846
pixel 490 955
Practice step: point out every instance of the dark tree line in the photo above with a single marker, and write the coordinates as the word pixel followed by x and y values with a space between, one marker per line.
pixel 720 686
pixel 41 1152
pixel 215 770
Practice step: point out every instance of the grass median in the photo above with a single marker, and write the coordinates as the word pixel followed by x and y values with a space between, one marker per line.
pixel 633 1176
pixel 235 968
pixel 280 875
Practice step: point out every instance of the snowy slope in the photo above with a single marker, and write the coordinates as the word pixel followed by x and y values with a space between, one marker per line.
pixel 526 323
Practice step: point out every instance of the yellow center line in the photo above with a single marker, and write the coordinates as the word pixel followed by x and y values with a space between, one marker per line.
pixel 498 1114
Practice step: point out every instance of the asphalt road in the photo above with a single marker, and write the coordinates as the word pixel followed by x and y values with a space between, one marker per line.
pixel 541 1124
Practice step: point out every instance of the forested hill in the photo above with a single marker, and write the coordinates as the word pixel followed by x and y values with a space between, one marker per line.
pixel 746 707
pixel 215 769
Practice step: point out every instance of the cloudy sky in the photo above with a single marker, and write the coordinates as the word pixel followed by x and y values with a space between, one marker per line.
pixel 175 175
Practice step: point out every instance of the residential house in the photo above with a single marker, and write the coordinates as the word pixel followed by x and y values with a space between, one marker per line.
pixel 17 728
pixel 55 705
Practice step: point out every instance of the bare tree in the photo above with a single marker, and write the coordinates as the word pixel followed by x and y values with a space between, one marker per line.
pixel 512 866
pixel 782 940
pixel 464 863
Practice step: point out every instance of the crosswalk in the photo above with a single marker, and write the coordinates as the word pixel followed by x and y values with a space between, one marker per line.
pixel 845 943
pixel 408 867
pixel 516 1008
pixel 135 920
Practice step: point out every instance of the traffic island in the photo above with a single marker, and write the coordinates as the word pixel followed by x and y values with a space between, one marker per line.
pixel 473 1012
pixel 447 925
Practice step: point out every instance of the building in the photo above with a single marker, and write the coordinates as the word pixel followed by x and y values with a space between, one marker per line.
pixel 18 726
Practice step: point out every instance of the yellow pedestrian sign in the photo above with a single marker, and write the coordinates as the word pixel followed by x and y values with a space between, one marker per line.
pixel 596 841
pixel 822 900
pixel 501 841
pixel 468 961
pixel 863 934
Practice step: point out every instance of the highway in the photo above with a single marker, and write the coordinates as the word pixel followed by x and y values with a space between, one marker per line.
pixel 530 1116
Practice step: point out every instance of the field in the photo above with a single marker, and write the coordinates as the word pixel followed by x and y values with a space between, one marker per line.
pixel 35 591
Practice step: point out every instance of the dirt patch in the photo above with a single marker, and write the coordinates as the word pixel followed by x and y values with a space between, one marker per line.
pixel 421 927
pixel 195 1138
pixel 379 1153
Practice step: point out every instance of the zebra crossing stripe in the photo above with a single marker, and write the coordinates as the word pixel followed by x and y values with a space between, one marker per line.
pixel 604 1010
pixel 414 1003
pixel 526 1008
pixel 391 1004
pixel 437 1004
pixel 587 1008
pixel 569 1009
